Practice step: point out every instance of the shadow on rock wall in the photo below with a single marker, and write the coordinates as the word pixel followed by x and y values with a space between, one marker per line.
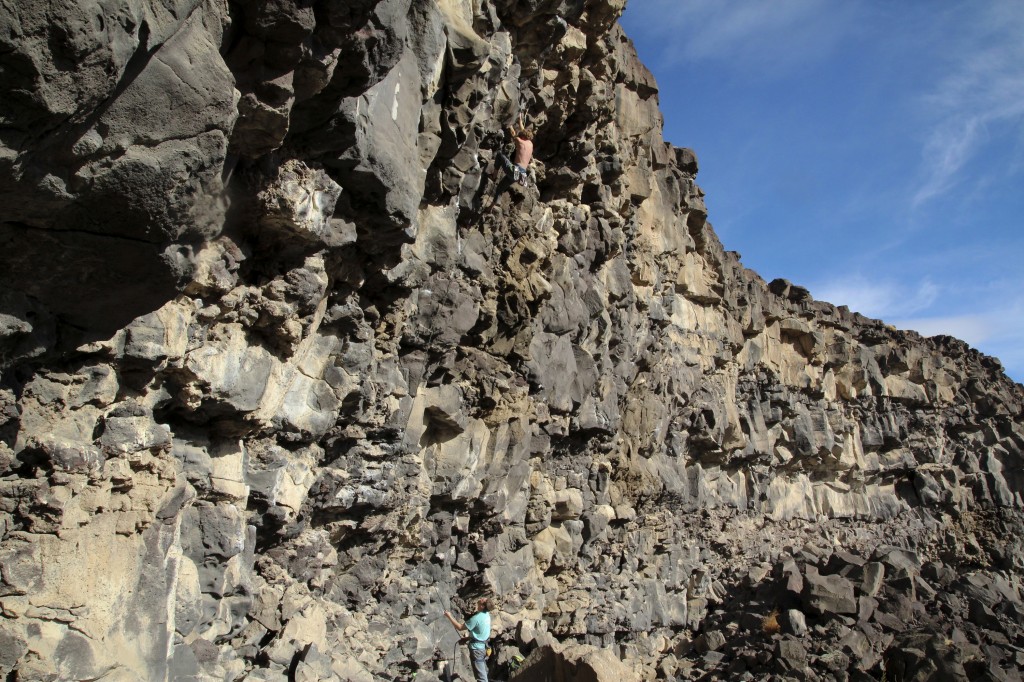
pixel 291 367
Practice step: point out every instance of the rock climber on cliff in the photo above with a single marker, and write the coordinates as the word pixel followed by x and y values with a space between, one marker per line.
pixel 477 630
pixel 523 140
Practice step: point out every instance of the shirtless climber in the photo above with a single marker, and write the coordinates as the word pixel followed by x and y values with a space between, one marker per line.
pixel 523 140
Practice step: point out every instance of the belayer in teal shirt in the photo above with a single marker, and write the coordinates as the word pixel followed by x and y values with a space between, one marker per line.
pixel 477 631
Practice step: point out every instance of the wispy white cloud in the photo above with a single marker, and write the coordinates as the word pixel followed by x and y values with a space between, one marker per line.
pixel 980 100
pixel 743 34
pixel 989 317
pixel 999 333
pixel 884 299
pixel 921 103
pixel 974 329
pixel 970 89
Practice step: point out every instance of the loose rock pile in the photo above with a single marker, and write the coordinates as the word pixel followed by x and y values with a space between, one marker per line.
pixel 290 367
pixel 823 614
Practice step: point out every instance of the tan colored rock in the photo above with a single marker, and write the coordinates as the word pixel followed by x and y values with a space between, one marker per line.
pixel 227 472
pixel 299 202
pixel 282 440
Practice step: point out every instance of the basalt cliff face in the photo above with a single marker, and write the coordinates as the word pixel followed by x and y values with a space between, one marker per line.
pixel 291 366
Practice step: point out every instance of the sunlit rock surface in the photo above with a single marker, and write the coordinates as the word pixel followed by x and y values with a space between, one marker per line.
pixel 290 367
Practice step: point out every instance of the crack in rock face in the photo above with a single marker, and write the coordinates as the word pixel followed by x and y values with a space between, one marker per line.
pixel 293 361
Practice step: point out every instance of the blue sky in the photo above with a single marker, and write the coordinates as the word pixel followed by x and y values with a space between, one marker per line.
pixel 871 151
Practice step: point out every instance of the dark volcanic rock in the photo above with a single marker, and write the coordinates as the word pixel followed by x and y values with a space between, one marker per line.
pixel 291 367
pixel 828 593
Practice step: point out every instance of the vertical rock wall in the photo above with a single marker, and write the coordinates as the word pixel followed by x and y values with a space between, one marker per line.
pixel 290 367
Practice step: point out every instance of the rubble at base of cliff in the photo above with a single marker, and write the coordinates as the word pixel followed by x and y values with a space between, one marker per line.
pixel 290 366
pixel 829 614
